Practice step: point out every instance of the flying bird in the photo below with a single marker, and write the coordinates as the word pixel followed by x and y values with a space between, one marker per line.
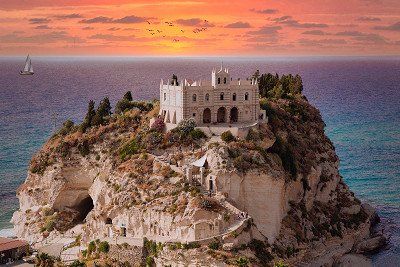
pixel 148 22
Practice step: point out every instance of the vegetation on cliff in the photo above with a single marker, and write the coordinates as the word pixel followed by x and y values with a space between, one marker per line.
pixel 291 147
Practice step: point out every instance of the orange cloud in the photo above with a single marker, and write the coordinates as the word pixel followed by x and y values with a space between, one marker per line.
pixel 199 27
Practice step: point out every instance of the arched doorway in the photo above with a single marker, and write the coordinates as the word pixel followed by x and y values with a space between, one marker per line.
pixel 207 115
pixel 221 115
pixel 234 115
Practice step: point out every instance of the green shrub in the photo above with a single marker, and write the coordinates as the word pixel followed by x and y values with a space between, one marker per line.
pixel 227 137
pixel 215 245
pixel 103 247
pixel 280 264
pixel 77 263
pixel 67 127
pixel 197 134
pixel 91 247
pixel 186 126
pixel 242 262
pixel 149 261
pixel 191 245
pixel 128 149
pixel 84 148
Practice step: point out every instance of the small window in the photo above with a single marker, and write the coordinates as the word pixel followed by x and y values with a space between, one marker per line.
pixel 225 80
pixel 246 96
pixel 194 98
pixel 219 80
pixel 221 96
pixel 165 96
pixel 207 97
pixel 194 114
pixel 234 97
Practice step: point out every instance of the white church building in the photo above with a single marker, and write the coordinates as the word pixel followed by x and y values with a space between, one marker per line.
pixel 221 101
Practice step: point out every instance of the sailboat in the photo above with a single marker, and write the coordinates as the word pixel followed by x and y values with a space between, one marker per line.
pixel 28 69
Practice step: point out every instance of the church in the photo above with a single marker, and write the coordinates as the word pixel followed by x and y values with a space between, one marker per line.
pixel 220 101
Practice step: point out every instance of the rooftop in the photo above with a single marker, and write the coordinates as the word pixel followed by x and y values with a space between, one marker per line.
pixel 7 243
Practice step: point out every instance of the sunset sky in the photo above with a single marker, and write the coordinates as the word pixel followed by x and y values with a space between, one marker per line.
pixel 184 28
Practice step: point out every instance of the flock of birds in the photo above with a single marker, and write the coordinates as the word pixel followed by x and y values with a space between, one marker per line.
pixel 171 24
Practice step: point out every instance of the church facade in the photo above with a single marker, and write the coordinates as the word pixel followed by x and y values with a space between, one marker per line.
pixel 219 101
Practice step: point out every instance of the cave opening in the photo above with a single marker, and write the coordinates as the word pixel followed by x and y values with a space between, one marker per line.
pixel 84 207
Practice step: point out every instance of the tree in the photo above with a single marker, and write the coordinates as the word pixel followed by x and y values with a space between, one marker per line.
pixel 103 110
pixel 122 105
pixel 128 96
pixel 87 122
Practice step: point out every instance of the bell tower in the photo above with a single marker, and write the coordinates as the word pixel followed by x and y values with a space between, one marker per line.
pixel 221 77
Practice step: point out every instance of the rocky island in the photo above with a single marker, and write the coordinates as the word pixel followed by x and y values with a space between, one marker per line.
pixel 140 187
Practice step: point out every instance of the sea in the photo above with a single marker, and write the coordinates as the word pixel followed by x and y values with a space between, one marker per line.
pixel 359 99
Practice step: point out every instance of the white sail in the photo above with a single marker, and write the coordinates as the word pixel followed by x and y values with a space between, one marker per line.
pixel 27 64
pixel 30 66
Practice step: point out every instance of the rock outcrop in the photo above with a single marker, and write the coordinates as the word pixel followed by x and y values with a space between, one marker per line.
pixel 279 194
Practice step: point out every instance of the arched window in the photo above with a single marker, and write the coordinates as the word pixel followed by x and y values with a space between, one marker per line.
pixel 246 96
pixel 224 79
pixel 219 80
pixel 234 97
pixel 221 96
pixel 207 97
pixel 165 96
pixel 194 98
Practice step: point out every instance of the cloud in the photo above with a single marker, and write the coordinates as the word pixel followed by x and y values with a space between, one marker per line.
pixel 39 20
pixel 43 27
pixel 289 21
pixel 194 22
pixel 350 33
pixel 264 11
pixel 368 19
pixel 374 39
pixel 266 30
pixel 238 25
pixel 51 37
pixel 87 28
pixel 124 20
pixel 68 16
pixel 111 37
pixel 130 19
pixel 113 29
pixel 393 27
pixel 321 42
pixel 266 34
pixel 315 32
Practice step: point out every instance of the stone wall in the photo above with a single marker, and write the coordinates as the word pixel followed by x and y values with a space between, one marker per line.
pixel 260 195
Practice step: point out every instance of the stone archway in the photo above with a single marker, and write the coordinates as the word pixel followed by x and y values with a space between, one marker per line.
pixel 234 115
pixel 207 116
pixel 221 115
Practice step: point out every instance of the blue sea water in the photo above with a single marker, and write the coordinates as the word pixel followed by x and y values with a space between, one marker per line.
pixel 359 99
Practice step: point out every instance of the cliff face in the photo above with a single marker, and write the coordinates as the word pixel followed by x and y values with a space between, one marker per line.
pixel 123 178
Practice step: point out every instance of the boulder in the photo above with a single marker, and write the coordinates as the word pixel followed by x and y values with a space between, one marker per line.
pixel 353 260
pixel 371 245
pixel 372 214
pixel 354 209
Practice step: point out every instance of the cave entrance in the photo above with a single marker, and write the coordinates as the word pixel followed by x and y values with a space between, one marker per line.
pixel 83 208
